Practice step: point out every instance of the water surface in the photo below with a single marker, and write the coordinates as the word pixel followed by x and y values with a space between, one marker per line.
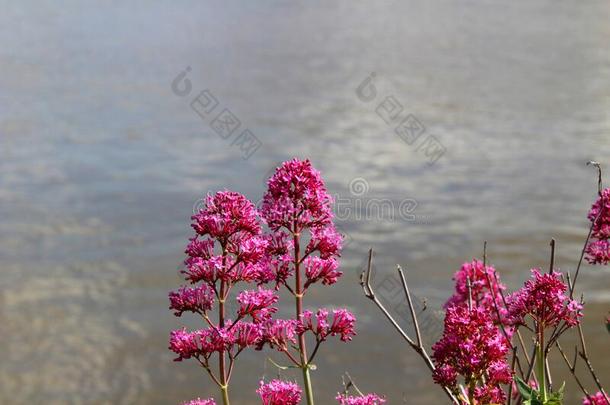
pixel 101 164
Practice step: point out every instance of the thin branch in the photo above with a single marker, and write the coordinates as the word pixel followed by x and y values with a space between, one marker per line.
pixel 582 253
pixel 365 282
pixel 410 302
pixel 552 265
pixel 572 368
pixel 584 355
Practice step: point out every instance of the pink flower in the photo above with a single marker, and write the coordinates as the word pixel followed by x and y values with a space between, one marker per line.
pixel 342 324
pixel 200 401
pixel 489 394
pixel 598 252
pixel 278 333
pixel 257 304
pixel 368 399
pixel 296 196
pixel 199 343
pixel 279 243
pixel 598 249
pixel 203 248
pixel 274 269
pixel 317 269
pixel 250 250
pixel 601 210
pixel 327 241
pixel 278 392
pixel 480 277
pixel 198 299
pixel 597 399
pixel 445 375
pixel 226 214
pixel 543 298
pixel 203 269
pixel 473 347
pixel 247 334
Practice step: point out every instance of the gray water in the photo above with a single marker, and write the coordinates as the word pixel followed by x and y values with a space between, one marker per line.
pixel 102 162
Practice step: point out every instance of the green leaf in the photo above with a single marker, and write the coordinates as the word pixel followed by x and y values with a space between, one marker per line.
pixel 280 367
pixel 532 401
pixel 556 398
pixel 525 390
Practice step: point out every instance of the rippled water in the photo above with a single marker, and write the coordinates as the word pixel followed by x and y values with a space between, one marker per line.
pixel 101 164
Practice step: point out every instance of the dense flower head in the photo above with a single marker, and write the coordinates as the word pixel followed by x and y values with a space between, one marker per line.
pixel 257 304
pixel 481 277
pixel 598 252
pixel 198 299
pixel 597 399
pixel 197 247
pixel 225 214
pixel 318 269
pixel 200 401
pixel 489 394
pixel 296 193
pixel 598 248
pixel 368 399
pixel 247 334
pixel 543 298
pixel 471 346
pixel 248 249
pixel 278 392
pixel 278 333
pixel 600 215
pixel 219 268
pixel 274 269
pixel 342 324
pixel 279 243
pixel 199 343
pixel 326 240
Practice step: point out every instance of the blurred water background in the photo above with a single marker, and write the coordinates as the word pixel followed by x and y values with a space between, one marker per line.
pixel 101 163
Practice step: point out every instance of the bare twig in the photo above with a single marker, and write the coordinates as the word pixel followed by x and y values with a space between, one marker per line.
pixel 582 253
pixel 365 282
pixel 405 287
pixel 572 368
pixel 552 265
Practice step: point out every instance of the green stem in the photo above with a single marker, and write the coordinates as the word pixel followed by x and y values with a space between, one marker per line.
pixel 225 394
pixel 298 289
pixel 308 386
pixel 540 371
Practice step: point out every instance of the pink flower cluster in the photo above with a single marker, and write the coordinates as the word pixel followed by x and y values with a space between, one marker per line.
pixel 342 324
pixel 226 215
pixel 543 298
pixel 278 392
pixel 597 399
pixel 368 399
pixel 297 196
pixel 297 201
pixel 473 347
pixel 485 288
pixel 279 333
pixel 229 247
pixel 317 269
pixel 598 249
pixel 201 344
pixel 257 304
pixel 198 300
